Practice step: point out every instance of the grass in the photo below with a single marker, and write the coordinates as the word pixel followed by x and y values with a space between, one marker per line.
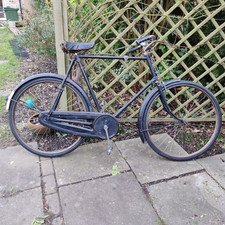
pixel 8 71
pixel 6 138
pixel 8 75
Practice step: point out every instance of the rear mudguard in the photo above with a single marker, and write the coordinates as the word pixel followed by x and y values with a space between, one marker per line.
pixel 145 102
pixel 46 75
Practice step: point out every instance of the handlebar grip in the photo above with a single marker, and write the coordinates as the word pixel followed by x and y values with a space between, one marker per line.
pixel 133 49
pixel 145 39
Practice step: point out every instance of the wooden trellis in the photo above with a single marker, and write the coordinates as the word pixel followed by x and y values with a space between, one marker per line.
pixel 115 25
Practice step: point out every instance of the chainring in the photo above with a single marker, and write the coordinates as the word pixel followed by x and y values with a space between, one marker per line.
pixel 108 120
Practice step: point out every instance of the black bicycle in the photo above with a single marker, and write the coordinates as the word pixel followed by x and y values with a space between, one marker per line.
pixel 49 114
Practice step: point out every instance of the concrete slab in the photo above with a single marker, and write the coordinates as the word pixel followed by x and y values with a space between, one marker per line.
pixel 57 221
pixel 86 162
pixel 19 170
pixel 5 92
pixel 3 61
pixel 194 199
pixel 110 200
pixel 52 201
pixel 149 166
pixel 46 166
pixel 15 31
pixel 21 208
pixel 167 143
pixel 215 166
pixel 49 184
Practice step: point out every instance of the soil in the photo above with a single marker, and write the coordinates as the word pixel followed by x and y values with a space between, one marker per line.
pixel 36 64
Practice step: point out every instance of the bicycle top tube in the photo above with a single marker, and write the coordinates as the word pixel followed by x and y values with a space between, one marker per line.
pixel 111 57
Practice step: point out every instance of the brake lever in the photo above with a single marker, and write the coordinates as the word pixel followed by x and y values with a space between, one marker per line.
pixel 150 45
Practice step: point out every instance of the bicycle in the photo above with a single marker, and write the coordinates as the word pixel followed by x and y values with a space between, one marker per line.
pixel 180 120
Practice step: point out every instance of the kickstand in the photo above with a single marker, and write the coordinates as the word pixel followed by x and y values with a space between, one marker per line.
pixel 110 143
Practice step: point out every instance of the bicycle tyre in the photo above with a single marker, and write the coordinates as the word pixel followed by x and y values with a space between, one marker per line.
pixel 200 111
pixel 40 94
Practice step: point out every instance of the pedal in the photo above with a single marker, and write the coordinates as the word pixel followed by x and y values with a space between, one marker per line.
pixel 110 148
pixel 110 143
pixel 102 106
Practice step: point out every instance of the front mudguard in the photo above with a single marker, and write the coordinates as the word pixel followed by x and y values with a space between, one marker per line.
pixel 47 75
pixel 146 101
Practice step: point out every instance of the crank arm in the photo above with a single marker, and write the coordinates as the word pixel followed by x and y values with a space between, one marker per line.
pixel 110 144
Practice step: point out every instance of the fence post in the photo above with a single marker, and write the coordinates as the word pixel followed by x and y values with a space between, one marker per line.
pixel 61 32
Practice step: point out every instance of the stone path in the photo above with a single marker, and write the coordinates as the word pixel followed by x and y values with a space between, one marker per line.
pixel 131 186
pixel 3 61
pixel 79 188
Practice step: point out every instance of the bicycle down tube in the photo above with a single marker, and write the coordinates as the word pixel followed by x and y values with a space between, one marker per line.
pixel 78 57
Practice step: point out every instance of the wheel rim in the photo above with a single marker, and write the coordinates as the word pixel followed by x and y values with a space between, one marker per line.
pixel 42 93
pixel 175 140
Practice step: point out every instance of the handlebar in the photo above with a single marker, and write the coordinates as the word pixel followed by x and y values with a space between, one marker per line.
pixel 133 49
pixel 149 37
pixel 140 40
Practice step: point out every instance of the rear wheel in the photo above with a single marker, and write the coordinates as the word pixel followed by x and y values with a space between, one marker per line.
pixel 38 95
pixel 201 115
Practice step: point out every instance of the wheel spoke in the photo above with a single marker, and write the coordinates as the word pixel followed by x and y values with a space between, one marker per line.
pixel 26 127
pixel 200 111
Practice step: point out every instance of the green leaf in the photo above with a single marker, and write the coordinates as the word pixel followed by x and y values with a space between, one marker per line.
pixel 115 170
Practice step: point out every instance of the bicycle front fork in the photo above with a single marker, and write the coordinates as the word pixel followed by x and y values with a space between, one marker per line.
pixel 162 86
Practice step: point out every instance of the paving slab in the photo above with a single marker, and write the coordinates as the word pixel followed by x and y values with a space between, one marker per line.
pixel 52 201
pixel 49 184
pixel 110 200
pixel 5 92
pixel 194 199
pixel 215 166
pixel 20 170
pixel 149 166
pixel 15 30
pixel 46 166
pixel 87 162
pixel 3 61
pixel 57 221
pixel 21 208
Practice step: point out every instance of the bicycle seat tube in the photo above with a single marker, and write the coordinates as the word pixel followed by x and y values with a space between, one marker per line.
pixel 88 83
pixel 59 94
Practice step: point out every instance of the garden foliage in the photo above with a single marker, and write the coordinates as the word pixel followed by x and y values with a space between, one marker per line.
pixel 39 35
pixel 89 20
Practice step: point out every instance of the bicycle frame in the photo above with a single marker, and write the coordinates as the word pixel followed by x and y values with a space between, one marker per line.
pixel 48 126
pixel 125 58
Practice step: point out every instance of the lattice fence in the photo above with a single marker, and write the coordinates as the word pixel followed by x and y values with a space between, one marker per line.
pixel 191 44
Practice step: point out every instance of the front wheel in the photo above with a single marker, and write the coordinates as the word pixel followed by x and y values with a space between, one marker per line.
pixel 201 116
pixel 38 95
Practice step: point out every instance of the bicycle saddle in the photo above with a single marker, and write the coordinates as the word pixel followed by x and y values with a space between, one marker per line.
pixel 73 47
